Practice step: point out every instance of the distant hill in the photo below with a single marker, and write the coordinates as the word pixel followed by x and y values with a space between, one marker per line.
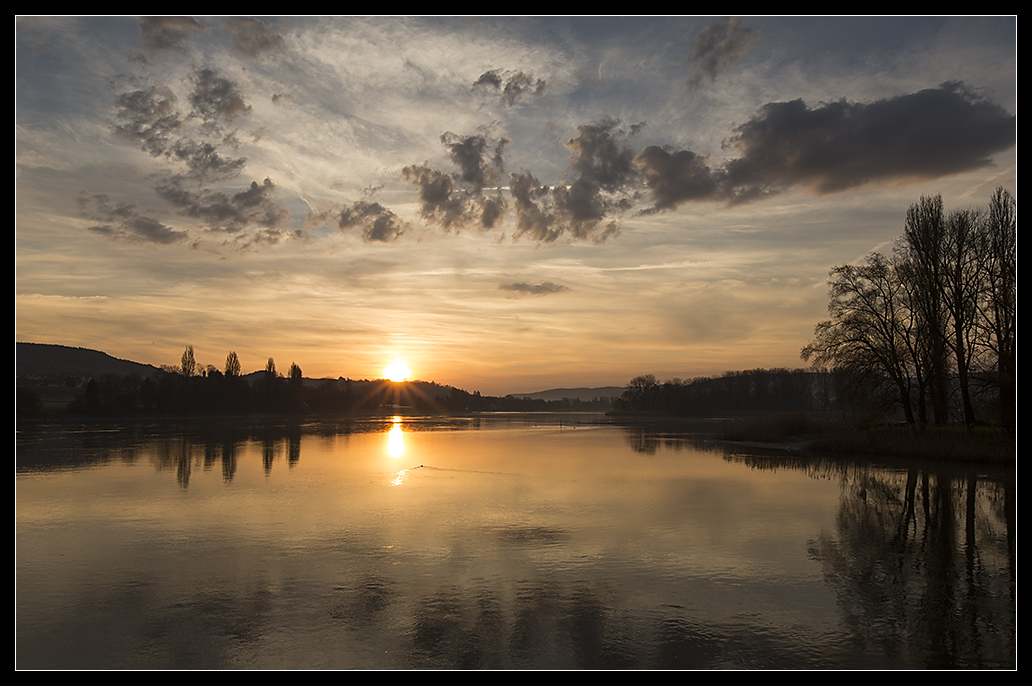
pixel 574 393
pixel 47 363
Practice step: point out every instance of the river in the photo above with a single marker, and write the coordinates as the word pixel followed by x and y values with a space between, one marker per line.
pixel 499 542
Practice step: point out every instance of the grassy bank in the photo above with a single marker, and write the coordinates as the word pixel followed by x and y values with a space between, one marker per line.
pixel 823 433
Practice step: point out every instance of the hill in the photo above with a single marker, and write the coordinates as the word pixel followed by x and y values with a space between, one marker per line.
pixel 45 363
pixel 574 393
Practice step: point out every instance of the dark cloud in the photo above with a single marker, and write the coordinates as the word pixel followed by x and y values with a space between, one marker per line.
pixel 148 118
pixel 492 210
pixel 216 99
pixel 203 161
pixel 455 201
pixel 511 86
pixel 253 210
pixel 530 200
pixel 836 146
pixel 606 178
pixel 167 33
pixel 253 38
pixel 540 288
pixel 121 221
pixel 468 154
pixel 601 156
pixel 377 222
pixel 719 47
pixel 440 203
pixel 605 182
pixel 676 177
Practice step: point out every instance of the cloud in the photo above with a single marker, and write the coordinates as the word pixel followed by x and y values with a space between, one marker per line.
pixel 204 163
pixel 719 47
pixel 121 221
pixel 530 200
pixel 837 146
pixel 148 118
pixel 216 99
pixel 925 135
pixel 489 80
pixel 468 154
pixel 454 201
pixel 600 154
pixel 167 33
pixel 378 224
pixel 540 288
pixel 440 202
pixel 253 38
pixel 676 177
pixel 605 182
pixel 252 211
pixel 511 86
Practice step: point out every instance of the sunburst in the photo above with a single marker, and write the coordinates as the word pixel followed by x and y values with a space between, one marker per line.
pixel 397 371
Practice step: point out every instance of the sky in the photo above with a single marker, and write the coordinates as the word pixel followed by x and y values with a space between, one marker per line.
pixel 501 204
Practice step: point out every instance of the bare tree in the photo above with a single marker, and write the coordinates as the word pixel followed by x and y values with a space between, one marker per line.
pixel 962 277
pixel 926 319
pixel 923 244
pixel 871 330
pixel 998 306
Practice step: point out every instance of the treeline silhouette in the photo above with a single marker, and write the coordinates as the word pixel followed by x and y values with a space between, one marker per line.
pixel 753 390
pixel 930 331
pixel 192 389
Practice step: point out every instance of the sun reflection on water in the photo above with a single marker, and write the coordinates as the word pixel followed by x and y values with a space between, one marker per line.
pixel 396 448
pixel 396 440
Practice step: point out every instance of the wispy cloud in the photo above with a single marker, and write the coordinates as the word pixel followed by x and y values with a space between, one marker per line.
pixel 167 33
pixel 253 38
pixel 720 47
pixel 122 221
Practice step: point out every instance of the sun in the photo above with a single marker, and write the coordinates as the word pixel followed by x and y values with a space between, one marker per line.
pixel 397 371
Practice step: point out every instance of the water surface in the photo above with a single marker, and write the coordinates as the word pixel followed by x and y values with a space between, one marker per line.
pixel 498 542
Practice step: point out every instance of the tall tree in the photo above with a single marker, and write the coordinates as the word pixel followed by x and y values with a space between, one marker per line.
pixel 923 244
pixel 232 364
pixel 998 307
pixel 962 277
pixel 189 364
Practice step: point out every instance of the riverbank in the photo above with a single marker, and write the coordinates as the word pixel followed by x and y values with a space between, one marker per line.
pixel 817 433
